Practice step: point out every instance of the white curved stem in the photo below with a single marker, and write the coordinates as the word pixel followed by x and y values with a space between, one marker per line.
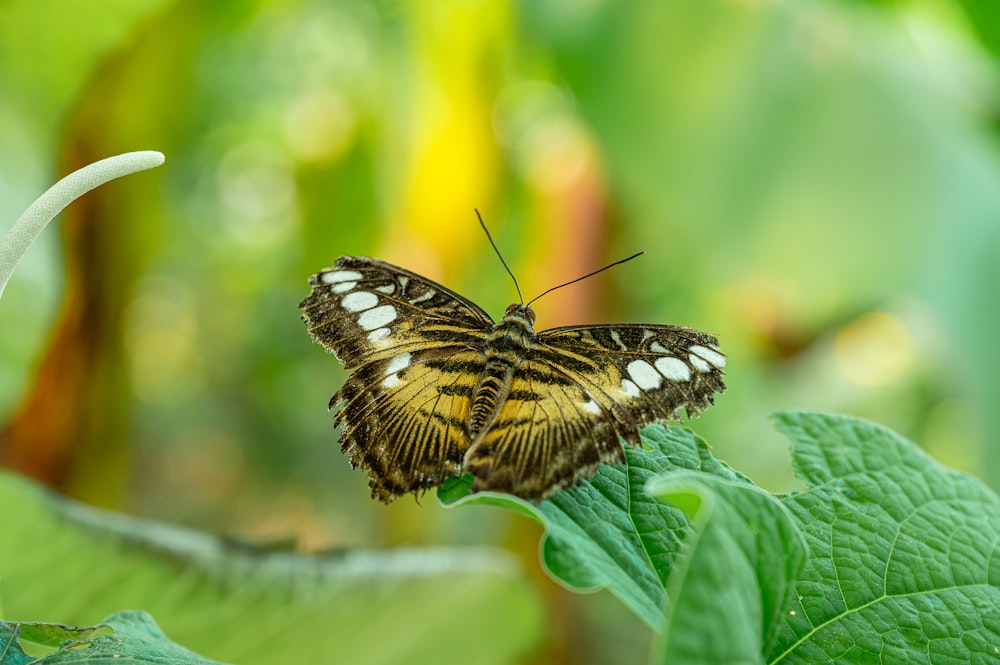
pixel 17 241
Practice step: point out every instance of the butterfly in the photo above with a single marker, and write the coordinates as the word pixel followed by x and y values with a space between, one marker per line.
pixel 439 388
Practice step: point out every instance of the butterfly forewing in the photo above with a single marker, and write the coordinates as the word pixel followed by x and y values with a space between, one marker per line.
pixel 363 310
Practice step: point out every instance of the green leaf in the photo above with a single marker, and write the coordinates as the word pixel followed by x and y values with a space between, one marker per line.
pixel 729 587
pixel 134 638
pixel 63 561
pixel 10 651
pixel 891 557
pixel 903 563
pixel 609 532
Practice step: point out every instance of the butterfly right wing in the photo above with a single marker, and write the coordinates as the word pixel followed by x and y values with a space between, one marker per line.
pixel 549 433
pixel 582 389
pixel 418 348
pixel 640 373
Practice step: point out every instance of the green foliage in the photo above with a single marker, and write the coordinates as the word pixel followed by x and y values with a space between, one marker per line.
pixel 984 18
pixel 886 557
pixel 62 560
pixel 83 562
pixel 610 532
pixel 902 561
pixel 740 562
pixel 134 638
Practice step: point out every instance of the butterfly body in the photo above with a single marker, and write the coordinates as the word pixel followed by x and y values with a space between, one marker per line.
pixel 440 388
pixel 511 339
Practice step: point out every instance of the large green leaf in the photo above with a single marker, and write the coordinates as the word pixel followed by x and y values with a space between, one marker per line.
pixel 886 557
pixel 133 638
pixel 729 589
pixel 609 532
pixel 66 562
pixel 903 564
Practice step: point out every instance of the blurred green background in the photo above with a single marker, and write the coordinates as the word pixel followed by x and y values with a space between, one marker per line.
pixel 816 182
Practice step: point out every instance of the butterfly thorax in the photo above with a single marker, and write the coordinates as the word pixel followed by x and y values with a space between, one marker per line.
pixel 507 345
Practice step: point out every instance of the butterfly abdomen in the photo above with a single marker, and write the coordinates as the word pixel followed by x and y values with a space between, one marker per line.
pixel 490 392
pixel 509 342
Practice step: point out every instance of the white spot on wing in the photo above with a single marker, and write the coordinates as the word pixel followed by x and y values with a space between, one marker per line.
pixel 698 363
pixel 359 301
pixel 340 287
pixel 395 366
pixel 398 362
pixel 387 289
pixel 644 375
pixel 377 318
pixel 340 276
pixel 673 369
pixel 630 388
pixel 592 406
pixel 377 336
pixel 657 347
pixel 426 295
pixel 713 357
pixel 616 338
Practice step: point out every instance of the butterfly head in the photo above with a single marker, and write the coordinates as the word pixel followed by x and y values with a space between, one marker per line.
pixel 520 311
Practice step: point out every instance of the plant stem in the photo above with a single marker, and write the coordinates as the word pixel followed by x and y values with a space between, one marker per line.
pixel 27 228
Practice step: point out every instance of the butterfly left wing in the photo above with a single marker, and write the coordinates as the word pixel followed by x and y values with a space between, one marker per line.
pixel 404 419
pixel 363 309
pixel 417 347
pixel 579 391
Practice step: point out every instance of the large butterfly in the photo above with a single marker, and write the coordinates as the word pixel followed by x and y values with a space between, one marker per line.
pixel 440 388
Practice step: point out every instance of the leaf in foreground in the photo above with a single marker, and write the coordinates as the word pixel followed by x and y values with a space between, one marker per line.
pixel 728 590
pixel 64 561
pixel 133 638
pixel 904 563
pixel 901 559
pixel 609 532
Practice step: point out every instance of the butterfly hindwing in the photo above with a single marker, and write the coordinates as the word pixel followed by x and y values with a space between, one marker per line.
pixel 549 433
pixel 363 309
pixel 404 419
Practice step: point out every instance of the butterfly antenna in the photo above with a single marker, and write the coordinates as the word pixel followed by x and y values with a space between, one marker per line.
pixel 495 249
pixel 590 274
